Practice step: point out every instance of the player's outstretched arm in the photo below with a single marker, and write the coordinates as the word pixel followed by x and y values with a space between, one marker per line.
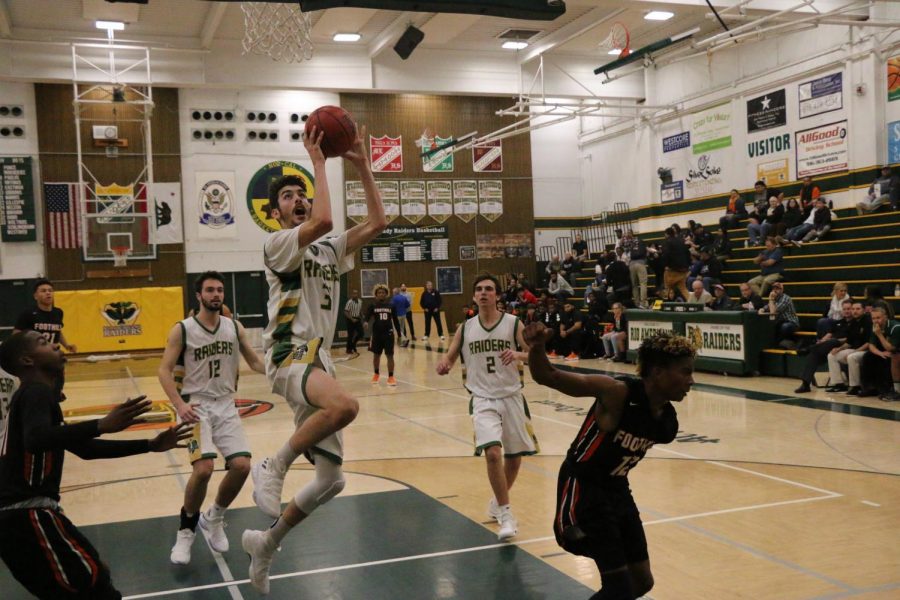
pixel 165 440
pixel 446 363
pixel 166 375
pixel 247 351
pixel 571 384
pixel 361 234
pixel 320 221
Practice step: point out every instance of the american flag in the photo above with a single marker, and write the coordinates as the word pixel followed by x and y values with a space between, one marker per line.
pixel 63 215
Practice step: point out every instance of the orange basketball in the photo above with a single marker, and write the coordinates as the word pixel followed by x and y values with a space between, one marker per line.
pixel 338 127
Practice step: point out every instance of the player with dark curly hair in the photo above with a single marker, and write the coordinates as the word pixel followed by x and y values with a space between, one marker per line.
pixel 596 515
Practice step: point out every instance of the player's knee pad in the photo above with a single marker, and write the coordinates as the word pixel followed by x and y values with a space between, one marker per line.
pixel 329 482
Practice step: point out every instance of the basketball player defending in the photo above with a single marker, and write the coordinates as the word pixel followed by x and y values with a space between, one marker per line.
pixel 595 513
pixel 304 291
pixel 202 353
pixel 493 375
pixel 383 317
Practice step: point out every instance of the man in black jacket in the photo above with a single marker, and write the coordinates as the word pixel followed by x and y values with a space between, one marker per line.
pixel 431 304
pixel 676 260
pixel 44 551
pixel 818 354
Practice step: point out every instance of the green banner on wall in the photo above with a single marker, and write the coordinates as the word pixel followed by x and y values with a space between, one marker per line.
pixel 17 220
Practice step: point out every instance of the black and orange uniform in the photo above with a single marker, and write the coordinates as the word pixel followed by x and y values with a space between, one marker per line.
pixel 44 551
pixel 383 318
pixel 48 323
pixel 595 513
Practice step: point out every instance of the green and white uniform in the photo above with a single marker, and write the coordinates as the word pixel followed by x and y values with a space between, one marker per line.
pixel 8 385
pixel 304 292
pixel 207 374
pixel 499 411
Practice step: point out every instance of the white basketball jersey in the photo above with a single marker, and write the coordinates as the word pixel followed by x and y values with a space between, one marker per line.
pixel 484 374
pixel 210 359
pixel 304 291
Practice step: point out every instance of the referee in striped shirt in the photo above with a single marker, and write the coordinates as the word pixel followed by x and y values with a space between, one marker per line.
pixel 353 312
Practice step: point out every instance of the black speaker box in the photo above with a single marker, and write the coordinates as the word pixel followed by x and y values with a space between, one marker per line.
pixel 411 38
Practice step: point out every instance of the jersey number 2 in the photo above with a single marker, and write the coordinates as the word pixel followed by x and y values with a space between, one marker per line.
pixel 491 364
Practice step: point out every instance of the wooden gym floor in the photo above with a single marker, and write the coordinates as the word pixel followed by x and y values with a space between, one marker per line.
pixel 763 495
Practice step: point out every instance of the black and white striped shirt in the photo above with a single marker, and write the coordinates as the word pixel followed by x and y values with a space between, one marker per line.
pixel 353 308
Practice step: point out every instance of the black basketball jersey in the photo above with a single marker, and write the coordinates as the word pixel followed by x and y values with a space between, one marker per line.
pixel 48 323
pixel 608 456
pixel 383 315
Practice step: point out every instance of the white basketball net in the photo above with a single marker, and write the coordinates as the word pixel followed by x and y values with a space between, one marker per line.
pixel 279 30
pixel 617 38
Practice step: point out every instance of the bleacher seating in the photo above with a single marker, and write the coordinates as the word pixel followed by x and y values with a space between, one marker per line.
pixel 860 251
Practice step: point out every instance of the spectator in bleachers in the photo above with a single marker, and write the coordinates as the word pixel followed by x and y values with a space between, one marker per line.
pixel 551 319
pixel 750 300
pixel 702 237
pixel 707 269
pixel 722 300
pixel 570 332
pixel 793 216
pixel 875 361
pixel 570 267
pixel 676 262
pixel 771 265
pixel 616 341
pixel 817 224
pixel 760 208
pixel 834 312
pixel 580 249
pixel 559 287
pixel 554 266
pixel 524 282
pixel 735 212
pixel 781 306
pixel 618 279
pixel 525 297
pixel 875 298
pixel 884 190
pixel 531 314
pixel 699 295
pixel 829 343
pixel 721 248
pixel 809 193
pixel 510 294
pixel 858 333
pixel 773 220
pixel 637 269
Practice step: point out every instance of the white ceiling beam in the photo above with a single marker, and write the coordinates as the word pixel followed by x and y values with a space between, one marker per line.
pixel 211 25
pixel 569 32
pixel 392 32
pixel 727 5
pixel 5 21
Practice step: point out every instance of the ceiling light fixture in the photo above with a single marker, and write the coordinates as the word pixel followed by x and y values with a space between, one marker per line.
pixel 512 45
pixel 659 15
pixel 110 25
pixel 346 37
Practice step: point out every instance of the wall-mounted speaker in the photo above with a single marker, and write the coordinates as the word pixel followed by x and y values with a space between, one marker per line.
pixel 411 38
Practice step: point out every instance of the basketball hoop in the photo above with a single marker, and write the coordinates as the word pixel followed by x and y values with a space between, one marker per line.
pixel 618 39
pixel 120 256
pixel 280 30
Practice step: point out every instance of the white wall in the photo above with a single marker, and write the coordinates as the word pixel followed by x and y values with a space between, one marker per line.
pixel 23 259
pixel 243 158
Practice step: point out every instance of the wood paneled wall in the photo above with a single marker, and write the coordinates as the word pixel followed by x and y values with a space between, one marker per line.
pixel 59 162
pixel 409 115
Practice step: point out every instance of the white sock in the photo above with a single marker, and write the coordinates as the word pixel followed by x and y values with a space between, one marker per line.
pixel 215 511
pixel 279 529
pixel 286 456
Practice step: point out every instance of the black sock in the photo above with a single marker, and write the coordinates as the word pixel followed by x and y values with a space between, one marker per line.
pixel 390 373
pixel 376 371
pixel 189 522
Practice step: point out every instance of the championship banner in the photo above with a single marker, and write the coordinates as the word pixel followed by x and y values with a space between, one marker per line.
pixel 167 206
pixel 442 160
pixel 412 200
pixel 773 172
pixel 711 129
pixel 490 199
pixel 822 149
pixel 390 196
pixel 638 331
pixel 120 320
pixel 386 153
pixel 716 340
pixel 215 205
pixel 440 200
pixel 465 199
pixel 355 201
pixel 488 157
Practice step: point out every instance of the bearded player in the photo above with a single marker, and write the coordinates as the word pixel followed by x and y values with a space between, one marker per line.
pixel 304 292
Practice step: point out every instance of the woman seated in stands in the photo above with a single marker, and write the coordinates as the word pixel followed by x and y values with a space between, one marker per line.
pixel 816 225
pixel 616 341
pixel 834 311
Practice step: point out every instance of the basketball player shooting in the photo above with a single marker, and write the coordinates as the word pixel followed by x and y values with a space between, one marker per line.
pixel 304 289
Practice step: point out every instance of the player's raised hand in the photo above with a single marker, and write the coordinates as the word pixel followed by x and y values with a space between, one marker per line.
pixel 357 152
pixel 536 334
pixel 313 144
pixel 124 415
pixel 168 439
